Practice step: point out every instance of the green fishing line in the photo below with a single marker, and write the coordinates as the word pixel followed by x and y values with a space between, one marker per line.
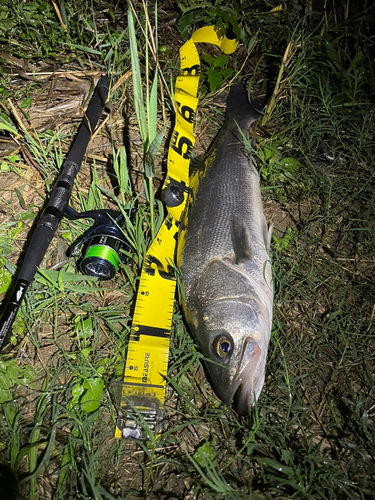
pixel 105 253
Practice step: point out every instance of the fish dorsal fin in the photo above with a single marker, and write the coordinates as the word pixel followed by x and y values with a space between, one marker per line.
pixel 240 241
pixel 267 233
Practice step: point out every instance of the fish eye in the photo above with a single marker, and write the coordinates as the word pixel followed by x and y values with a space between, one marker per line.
pixel 223 346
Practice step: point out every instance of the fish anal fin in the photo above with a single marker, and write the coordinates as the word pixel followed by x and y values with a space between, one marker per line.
pixel 240 241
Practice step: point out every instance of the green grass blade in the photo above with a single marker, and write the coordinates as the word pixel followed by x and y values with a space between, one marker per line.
pixel 137 80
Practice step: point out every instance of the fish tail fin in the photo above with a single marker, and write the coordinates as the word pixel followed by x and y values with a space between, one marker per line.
pixel 239 109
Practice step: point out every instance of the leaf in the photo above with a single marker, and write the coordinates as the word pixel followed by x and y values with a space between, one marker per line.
pixel 285 241
pixel 252 42
pixel 227 73
pixel 268 462
pixel 290 164
pixel 5 280
pixel 27 216
pixel 357 59
pixel 10 268
pixel 137 80
pixel 63 13
pixel 220 61
pixel 184 24
pixel 86 351
pixel 89 50
pixel 84 328
pixel 334 315
pixel 4 167
pixel 214 79
pixel 53 276
pixel 11 374
pixel 121 168
pixel 152 152
pixel 93 392
pixel 160 218
pixel 206 453
pixel 208 59
pixel 8 128
pixel 153 109
pixel 194 6
pixel 26 103
pixel 275 11
pixel 87 394
pixel 270 153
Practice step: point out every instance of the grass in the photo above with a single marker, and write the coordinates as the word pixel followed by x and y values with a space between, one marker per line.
pixel 311 434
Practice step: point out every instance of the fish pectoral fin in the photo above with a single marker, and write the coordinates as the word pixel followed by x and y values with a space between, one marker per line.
pixel 267 233
pixel 240 241
pixel 195 164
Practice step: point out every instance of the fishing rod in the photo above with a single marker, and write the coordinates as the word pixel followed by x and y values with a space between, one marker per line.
pixel 56 207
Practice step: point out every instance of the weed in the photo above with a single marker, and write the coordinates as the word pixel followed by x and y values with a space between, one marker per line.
pixel 220 15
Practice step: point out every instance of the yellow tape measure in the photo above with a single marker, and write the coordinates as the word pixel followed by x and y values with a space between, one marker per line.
pixel 143 387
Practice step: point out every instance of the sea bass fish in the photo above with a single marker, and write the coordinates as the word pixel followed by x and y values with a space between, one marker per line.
pixel 223 258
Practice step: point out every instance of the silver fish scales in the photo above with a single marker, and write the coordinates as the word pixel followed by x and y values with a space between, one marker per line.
pixel 223 254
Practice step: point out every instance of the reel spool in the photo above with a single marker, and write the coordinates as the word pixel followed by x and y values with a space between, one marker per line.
pixel 103 244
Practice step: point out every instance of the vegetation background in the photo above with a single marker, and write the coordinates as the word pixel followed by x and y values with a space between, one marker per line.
pixel 311 435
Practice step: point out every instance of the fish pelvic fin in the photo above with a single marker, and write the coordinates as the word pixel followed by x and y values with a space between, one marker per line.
pixel 239 110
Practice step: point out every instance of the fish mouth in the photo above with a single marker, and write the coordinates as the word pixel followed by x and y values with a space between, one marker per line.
pixel 243 387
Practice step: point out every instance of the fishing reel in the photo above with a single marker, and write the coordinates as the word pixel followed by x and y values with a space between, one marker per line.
pixel 103 245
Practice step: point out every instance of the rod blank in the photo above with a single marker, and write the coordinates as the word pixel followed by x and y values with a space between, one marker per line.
pixel 55 208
